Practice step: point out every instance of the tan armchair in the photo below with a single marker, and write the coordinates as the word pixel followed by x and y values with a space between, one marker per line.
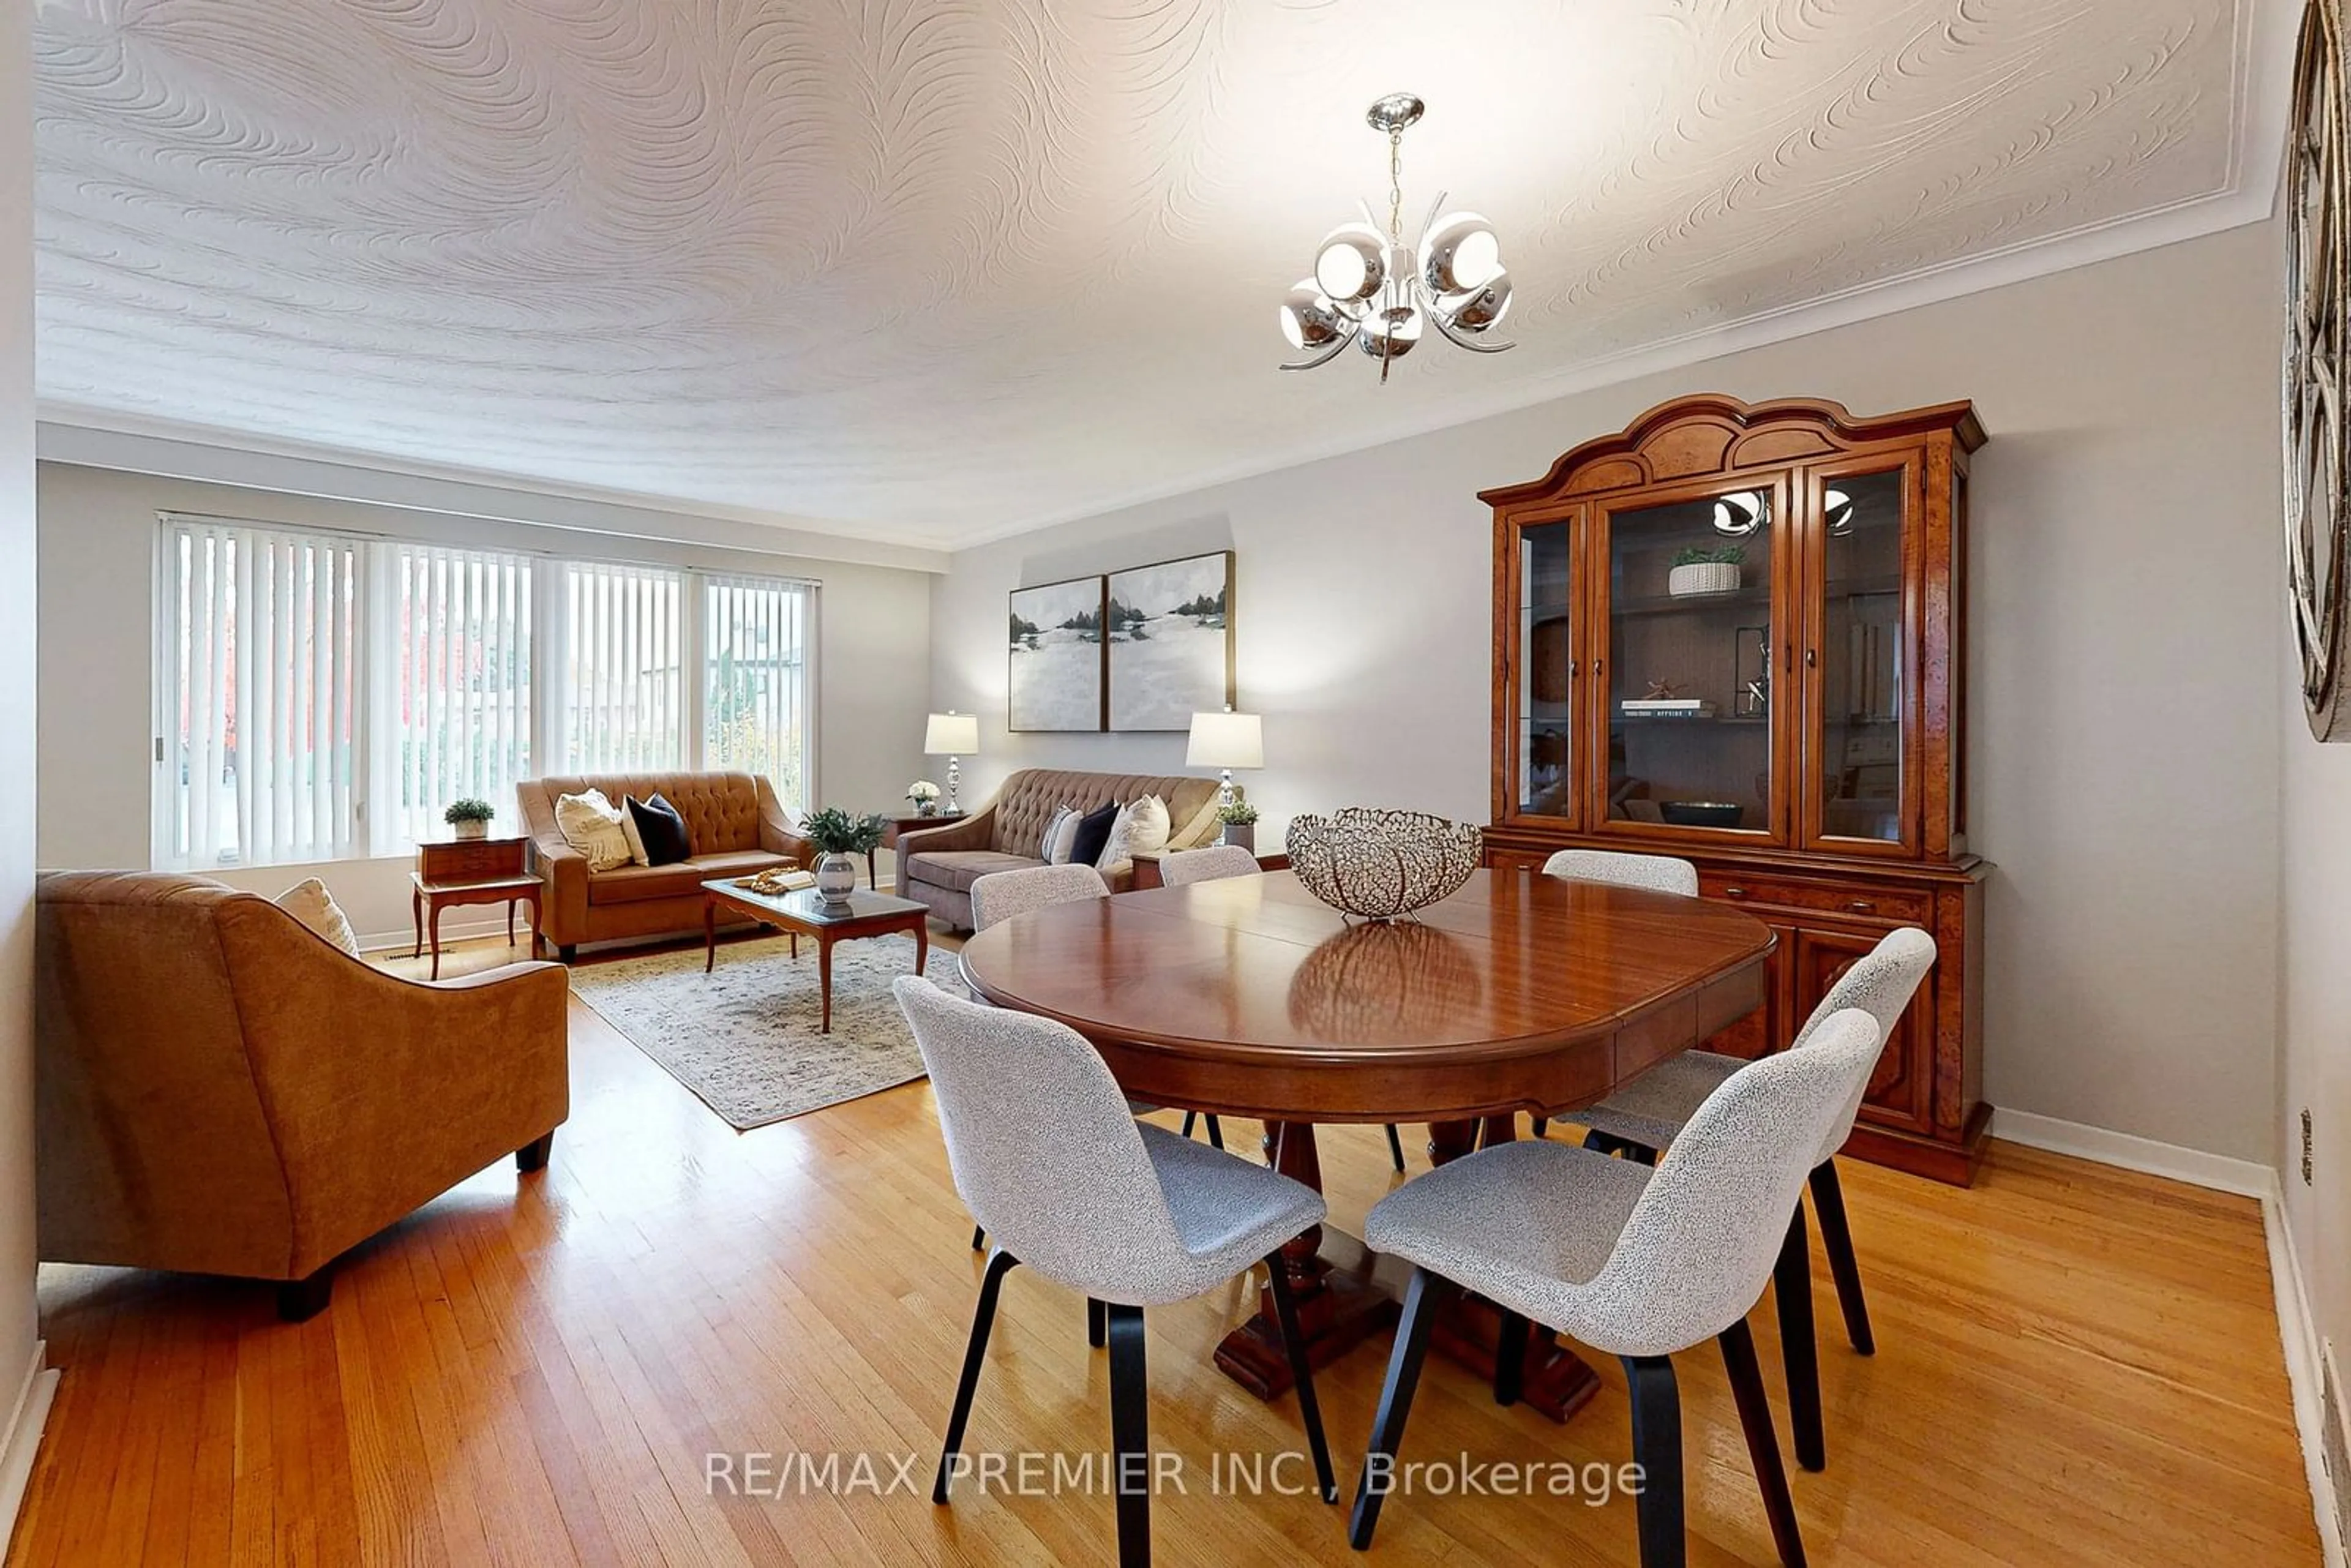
pixel 219 1091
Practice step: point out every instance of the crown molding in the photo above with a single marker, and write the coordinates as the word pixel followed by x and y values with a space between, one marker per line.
pixel 96 438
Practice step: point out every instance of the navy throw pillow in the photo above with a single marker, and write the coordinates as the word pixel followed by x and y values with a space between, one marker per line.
pixel 662 829
pixel 1094 833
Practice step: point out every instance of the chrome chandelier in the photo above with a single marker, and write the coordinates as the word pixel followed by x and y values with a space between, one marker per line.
pixel 1372 289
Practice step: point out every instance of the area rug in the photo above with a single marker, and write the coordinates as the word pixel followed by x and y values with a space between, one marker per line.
pixel 744 1037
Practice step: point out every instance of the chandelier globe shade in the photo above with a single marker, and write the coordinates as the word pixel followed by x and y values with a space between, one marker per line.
pixel 1375 289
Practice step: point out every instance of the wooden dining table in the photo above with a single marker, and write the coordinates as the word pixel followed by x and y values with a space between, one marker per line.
pixel 1248 996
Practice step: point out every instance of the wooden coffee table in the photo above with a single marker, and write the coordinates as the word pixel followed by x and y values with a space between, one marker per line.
pixel 804 913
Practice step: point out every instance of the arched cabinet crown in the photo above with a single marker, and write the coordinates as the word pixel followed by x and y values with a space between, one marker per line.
pixel 1735 633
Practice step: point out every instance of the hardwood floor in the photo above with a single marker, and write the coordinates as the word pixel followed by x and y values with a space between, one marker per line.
pixel 2076 1365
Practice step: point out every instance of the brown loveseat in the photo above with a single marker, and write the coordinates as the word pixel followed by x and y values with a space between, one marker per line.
pixel 733 821
pixel 219 1091
pixel 937 865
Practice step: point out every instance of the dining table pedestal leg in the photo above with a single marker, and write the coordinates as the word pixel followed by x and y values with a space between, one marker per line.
pixel 1340 1302
pixel 1554 1379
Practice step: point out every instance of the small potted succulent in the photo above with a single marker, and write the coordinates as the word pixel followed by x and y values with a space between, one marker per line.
pixel 1240 824
pixel 926 796
pixel 837 836
pixel 470 818
pixel 1704 570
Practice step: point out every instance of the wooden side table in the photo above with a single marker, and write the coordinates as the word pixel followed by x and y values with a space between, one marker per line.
pixel 1146 867
pixel 472 870
pixel 893 826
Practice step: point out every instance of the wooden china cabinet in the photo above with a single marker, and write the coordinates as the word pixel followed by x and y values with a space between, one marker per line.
pixel 1736 634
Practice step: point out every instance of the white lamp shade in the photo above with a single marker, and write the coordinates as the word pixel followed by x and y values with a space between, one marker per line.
pixel 952 734
pixel 1226 740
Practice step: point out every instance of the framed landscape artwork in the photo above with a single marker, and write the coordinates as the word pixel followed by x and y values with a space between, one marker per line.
pixel 1056 657
pixel 1171 641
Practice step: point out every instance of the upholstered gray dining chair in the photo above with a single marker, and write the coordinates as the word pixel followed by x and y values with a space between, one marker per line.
pixel 1634 1260
pixel 1216 863
pixel 1649 1112
pixel 1001 894
pixel 1213 864
pixel 1044 1152
pixel 1658 874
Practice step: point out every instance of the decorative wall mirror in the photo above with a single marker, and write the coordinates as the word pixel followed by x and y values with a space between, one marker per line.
pixel 2318 328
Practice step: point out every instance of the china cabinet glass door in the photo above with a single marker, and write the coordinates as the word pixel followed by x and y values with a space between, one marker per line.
pixel 1859 782
pixel 1689 696
pixel 1544 734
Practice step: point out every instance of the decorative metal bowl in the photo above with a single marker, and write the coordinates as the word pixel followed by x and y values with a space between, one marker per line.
pixel 1380 864
pixel 1701 814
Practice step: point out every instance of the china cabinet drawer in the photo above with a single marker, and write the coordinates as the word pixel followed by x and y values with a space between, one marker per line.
pixel 1899 907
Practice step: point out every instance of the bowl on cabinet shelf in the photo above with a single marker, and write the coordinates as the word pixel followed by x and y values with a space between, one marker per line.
pixel 1701 814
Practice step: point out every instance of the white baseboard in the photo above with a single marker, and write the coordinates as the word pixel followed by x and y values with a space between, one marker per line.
pixel 2194 1167
pixel 20 1437
pixel 2299 1332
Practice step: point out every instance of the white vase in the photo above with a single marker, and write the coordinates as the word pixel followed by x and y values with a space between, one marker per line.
pixel 473 830
pixel 1703 576
pixel 836 878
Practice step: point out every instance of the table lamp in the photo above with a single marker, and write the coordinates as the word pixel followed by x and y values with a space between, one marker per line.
pixel 1226 740
pixel 953 736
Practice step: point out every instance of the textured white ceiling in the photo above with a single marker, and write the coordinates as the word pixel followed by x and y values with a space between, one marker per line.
pixel 926 268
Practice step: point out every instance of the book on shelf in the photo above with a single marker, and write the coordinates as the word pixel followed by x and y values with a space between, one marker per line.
pixel 1667 707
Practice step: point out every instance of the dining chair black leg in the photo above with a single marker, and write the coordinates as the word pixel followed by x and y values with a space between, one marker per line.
pixel 1191 1120
pixel 1422 1297
pixel 1791 1290
pixel 983 1317
pixel 1763 1442
pixel 1836 1236
pixel 1395 1148
pixel 1658 1450
pixel 1302 1374
pixel 979 1238
pixel 1097 1323
pixel 1216 1134
pixel 1541 1125
pixel 1130 1434
pixel 1509 1358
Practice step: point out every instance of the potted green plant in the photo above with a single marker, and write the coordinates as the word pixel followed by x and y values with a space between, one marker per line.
pixel 1704 569
pixel 1240 824
pixel 470 818
pixel 837 836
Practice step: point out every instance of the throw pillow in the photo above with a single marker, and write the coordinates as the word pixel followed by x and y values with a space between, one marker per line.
pixel 1052 827
pixel 1065 836
pixel 1140 829
pixel 662 829
pixel 308 901
pixel 1094 833
pixel 592 824
pixel 1147 833
pixel 629 828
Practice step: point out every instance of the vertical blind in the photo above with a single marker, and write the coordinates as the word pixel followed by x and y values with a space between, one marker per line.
pixel 261 676
pixel 754 674
pixel 624 706
pixel 459 716
pixel 323 697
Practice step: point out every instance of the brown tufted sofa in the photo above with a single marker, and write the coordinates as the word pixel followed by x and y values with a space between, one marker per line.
pixel 219 1091
pixel 938 865
pixel 733 821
